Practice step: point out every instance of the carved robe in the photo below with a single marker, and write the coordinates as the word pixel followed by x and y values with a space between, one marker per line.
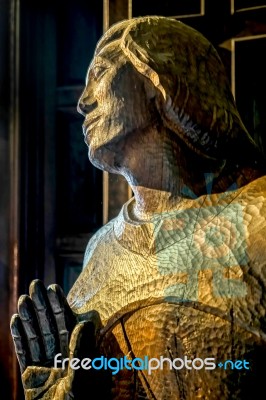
pixel 188 284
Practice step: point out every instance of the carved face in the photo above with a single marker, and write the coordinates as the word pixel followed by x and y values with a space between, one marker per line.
pixel 114 104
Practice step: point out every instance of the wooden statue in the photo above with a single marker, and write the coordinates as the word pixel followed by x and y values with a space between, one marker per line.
pixel 174 286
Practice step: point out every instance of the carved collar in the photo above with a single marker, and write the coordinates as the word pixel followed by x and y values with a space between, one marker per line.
pixel 167 228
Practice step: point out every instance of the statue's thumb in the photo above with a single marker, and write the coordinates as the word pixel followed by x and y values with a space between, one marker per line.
pixel 82 346
pixel 82 351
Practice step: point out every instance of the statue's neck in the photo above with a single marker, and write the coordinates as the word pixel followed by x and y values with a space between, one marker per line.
pixel 151 201
pixel 154 166
pixel 165 175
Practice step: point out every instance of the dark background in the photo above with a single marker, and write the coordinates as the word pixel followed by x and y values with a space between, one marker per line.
pixel 51 198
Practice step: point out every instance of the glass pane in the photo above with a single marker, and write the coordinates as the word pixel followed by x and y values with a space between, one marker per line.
pixel 79 27
pixel 241 4
pixel 251 86
pixel 166 8
pixel 72 270
pixel 79 183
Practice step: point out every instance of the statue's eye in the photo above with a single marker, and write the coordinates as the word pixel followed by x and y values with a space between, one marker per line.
pixel 98 71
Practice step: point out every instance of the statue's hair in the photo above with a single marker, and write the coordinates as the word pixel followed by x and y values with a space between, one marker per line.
pixel 194 95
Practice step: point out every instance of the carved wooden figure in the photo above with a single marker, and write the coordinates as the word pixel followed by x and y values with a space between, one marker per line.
pixel 179 275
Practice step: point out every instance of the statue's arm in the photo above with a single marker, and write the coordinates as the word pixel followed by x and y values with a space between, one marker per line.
pixel 44 326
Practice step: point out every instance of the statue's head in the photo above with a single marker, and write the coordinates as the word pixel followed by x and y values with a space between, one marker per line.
pixel 164 67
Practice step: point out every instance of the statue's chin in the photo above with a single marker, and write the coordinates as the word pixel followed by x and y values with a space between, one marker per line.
pixel 103 158
pixel 108 154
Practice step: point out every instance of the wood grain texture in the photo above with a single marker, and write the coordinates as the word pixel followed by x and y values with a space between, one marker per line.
pixel 180 272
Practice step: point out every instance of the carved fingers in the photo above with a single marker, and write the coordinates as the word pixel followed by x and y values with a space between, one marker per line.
pixel 45 318
pixel 20 342
pixel 64 318
pixel 42 326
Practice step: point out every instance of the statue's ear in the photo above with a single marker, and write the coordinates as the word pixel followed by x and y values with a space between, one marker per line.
pixel 150 90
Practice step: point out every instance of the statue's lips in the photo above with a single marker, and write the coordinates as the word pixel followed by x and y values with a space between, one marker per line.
pixel 89 124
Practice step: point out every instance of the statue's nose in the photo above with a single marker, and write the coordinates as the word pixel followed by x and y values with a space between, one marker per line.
pixel 86 103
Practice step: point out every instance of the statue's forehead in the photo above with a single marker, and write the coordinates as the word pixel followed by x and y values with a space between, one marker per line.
pixel 111 55
pixel 110 51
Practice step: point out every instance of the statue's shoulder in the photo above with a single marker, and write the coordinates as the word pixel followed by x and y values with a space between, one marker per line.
pixel 94 266
pixel 254 191
pixel 259 185
pixel 252 197
pixel 102 236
